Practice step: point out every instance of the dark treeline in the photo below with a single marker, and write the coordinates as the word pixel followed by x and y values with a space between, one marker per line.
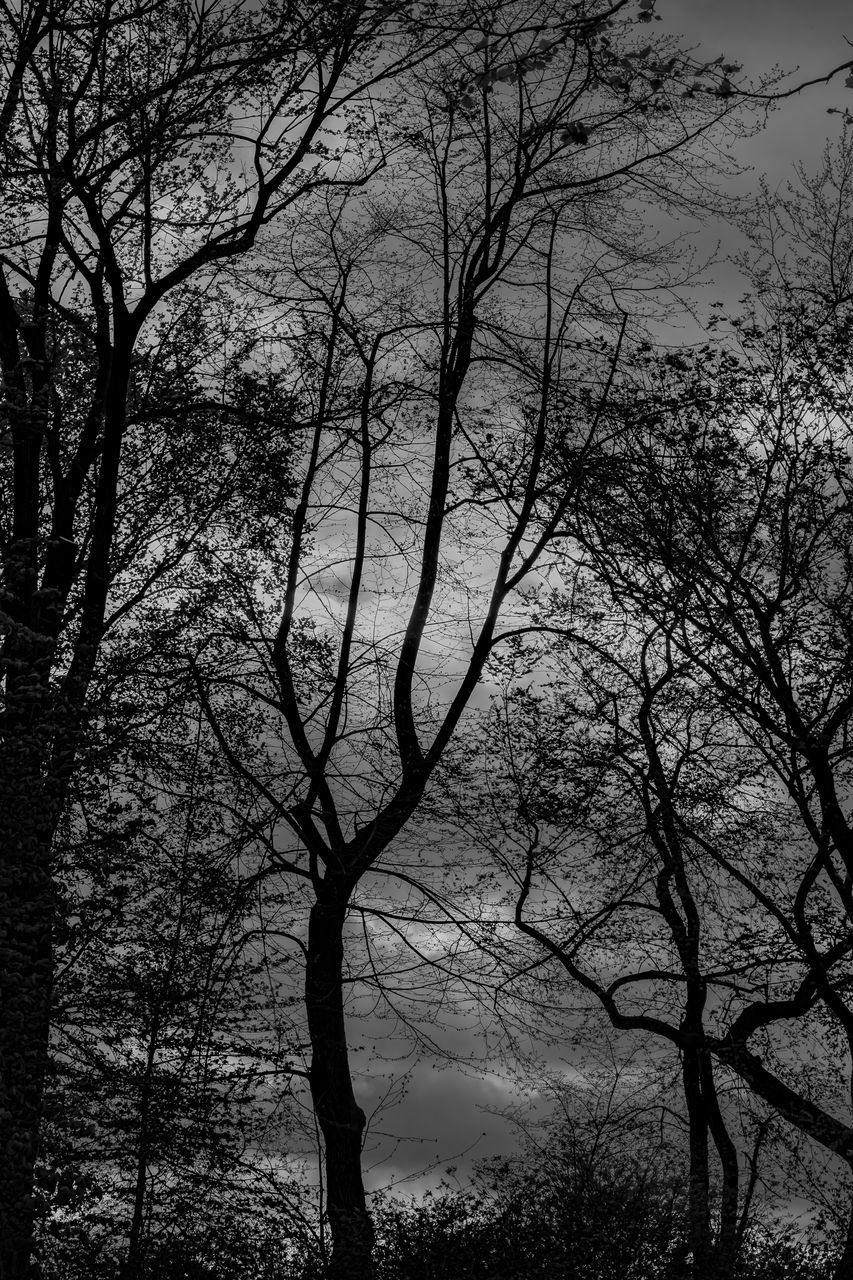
pixel 395 626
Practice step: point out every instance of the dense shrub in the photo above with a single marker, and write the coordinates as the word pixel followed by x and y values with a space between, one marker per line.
pixel 561 1216
pixel 521 1224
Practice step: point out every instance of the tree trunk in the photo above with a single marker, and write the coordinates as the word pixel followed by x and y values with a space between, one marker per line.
pixel 340 1118
pixel 134 1261
pixel 26 981
pixel 728 1241
pixel 698 1206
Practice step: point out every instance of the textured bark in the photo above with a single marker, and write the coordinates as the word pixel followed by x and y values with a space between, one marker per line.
pixel 28 809
pixel 26 975
pixel 39 732
pixel 340 1118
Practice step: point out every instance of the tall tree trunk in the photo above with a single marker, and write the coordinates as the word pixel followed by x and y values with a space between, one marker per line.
pixel 727 1243
pixel 134 1260
pixel 698 1206
pixel 26 816
pixel 26 979
pixel 339 1116
pixel 39 730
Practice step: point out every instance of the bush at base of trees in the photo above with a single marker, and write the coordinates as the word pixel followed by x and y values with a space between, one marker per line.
pixel 620 1228
pixel 516 1221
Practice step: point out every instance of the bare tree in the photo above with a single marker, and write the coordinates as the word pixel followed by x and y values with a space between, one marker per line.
pixel 715 663
pixel 573 778
pixel 142 148
pixel 445 335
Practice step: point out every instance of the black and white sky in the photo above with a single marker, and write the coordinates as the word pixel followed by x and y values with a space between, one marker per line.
pixel 805 38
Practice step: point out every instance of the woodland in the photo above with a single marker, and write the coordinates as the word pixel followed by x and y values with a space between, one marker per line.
pixel 422 603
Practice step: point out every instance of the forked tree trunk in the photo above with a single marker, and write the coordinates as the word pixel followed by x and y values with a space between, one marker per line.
pixel 727 1243
pixel 713 1258
pixel 340 1118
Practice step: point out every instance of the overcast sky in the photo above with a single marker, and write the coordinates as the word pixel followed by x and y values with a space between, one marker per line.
pixel 805 37
pixel 806 40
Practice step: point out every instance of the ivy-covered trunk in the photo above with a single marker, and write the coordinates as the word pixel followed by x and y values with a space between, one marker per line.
pixel 340 1118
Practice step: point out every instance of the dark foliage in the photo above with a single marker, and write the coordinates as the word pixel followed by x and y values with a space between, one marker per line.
pixel 563 1215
